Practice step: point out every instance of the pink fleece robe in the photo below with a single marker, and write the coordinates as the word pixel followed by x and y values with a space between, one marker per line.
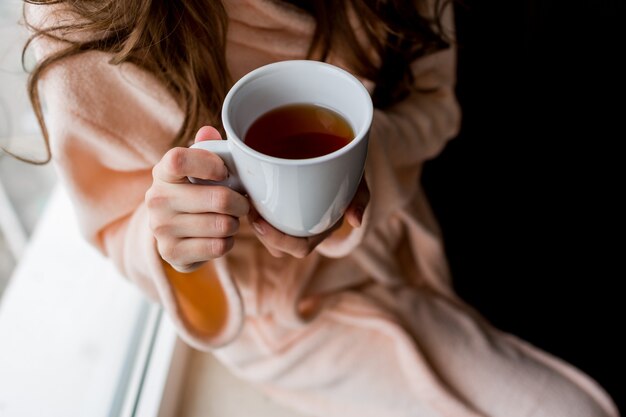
pixel 368 324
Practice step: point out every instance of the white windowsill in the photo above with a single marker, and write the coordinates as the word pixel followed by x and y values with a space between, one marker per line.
pixel 76 339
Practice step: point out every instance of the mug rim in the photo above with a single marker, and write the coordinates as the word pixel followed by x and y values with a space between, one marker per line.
pixel 256 73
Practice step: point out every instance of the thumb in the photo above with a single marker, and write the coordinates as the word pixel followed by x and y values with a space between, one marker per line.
pixel 207 133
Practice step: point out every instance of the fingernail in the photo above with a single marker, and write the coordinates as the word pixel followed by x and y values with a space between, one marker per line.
pixel 258 227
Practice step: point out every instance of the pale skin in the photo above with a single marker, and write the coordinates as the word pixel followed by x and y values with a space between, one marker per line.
pixel 196 223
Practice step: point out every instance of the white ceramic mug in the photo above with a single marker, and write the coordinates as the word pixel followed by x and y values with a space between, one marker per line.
pixel 301 197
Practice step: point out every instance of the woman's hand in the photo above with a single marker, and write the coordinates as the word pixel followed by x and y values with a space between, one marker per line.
pixel 280 244
pixel 193 223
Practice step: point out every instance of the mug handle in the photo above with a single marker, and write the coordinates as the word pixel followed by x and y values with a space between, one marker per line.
pixel 221 149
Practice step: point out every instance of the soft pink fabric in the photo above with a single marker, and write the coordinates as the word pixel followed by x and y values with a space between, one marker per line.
pixel 388 336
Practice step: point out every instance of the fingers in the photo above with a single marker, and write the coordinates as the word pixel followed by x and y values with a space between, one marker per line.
pixel 207 133
pixel 280 244
pixel 190 198
pixel 179 163
pixel 356 209
pixel 186 254
pixel 209 225
pixel 192 223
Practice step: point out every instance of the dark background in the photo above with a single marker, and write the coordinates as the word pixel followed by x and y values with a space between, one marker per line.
pixel 527 193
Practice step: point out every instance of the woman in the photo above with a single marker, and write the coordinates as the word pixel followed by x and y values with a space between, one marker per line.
pixel 358 321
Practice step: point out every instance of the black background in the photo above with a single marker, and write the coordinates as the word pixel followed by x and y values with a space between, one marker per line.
pixel 527 194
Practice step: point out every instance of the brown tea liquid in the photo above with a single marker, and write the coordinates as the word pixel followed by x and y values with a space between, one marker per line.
pixel 299 131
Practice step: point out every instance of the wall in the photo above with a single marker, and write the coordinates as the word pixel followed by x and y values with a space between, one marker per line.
pixel 527 194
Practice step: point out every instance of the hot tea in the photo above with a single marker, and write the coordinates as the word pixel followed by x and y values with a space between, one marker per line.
pixel 299 131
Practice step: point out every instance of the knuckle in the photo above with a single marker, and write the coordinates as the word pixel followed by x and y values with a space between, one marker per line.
pixel 155 200
pixel 216 166
pixel 220 199
pixel 219 247
pixel 301 250
pixel 167 249
pixel 174 161
pixel 301 254
pixel 153 223
pixel 161 230
pixel 226 225
pixel 294 246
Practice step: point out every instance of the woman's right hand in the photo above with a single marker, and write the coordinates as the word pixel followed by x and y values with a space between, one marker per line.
pixel 193 223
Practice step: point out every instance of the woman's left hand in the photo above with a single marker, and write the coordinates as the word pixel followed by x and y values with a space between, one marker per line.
pixel 280 244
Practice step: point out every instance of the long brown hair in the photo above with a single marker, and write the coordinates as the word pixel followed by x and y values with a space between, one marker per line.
pixel 183 44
